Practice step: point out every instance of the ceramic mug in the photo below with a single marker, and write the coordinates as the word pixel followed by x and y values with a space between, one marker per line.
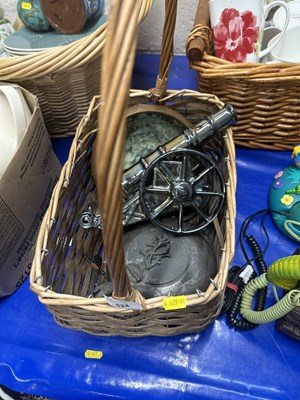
pixel 287 49
pixel 269 33
pixel 31 14
pixel 71 16
pixel 237 27
pixel 279 15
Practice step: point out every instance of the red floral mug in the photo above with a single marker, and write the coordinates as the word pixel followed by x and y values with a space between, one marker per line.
pixel 238 25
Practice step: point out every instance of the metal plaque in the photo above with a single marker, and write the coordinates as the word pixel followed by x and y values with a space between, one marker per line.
pixel 161 263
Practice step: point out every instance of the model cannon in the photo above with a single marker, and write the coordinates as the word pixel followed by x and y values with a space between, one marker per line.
pixel 177 187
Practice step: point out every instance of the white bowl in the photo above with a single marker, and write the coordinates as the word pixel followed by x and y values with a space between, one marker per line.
pixel 26 109
pixel 14 118
pixel 8 134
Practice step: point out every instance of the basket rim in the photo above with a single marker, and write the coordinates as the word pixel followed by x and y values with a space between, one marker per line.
pixel 213 67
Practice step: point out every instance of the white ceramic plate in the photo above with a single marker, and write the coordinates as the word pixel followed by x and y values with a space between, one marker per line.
pixel 17 53
pixel 279 16
pixel 13 96
pixel 8 136
pixel 15 116
pixel 26 109
pixel 24 51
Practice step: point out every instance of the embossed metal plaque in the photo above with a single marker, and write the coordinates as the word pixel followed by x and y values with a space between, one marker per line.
pixel 160 263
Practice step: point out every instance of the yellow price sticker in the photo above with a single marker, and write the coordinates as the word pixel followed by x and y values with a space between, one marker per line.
pixel 25 6
pixel 174 302
pixel 93 354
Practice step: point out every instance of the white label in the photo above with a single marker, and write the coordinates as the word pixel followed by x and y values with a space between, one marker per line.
pixel 246 273
pixel 125 305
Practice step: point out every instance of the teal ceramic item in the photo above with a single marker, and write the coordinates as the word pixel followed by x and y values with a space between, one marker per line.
pixel 284 198
pixel 94 8
pixel 32 16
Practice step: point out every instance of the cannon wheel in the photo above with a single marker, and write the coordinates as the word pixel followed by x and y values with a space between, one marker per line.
pixel 186 185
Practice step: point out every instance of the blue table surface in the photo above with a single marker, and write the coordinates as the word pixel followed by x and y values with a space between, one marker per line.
pixel 37 356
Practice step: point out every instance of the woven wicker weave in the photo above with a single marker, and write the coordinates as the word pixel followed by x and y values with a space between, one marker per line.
pixel 266 96
pixel 62 274
pixel 64 79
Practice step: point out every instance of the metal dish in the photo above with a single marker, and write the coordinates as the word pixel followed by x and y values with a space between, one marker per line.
pixel 160 263
pixel 148 127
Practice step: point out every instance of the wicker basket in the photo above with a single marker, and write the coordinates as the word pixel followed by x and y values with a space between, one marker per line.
pixel 266 96
pixel 64 79
pixel 62 273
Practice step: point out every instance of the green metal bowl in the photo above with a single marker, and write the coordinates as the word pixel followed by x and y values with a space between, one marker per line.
pixel 148 127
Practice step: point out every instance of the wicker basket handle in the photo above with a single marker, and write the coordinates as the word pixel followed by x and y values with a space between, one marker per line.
pixel 199 40
pixel 167 49
pixel 108 151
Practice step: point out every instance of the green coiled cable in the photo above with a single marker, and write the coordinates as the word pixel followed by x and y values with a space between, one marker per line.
pixel 285 273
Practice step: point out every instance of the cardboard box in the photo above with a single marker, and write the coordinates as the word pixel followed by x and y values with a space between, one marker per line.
pixel 25 191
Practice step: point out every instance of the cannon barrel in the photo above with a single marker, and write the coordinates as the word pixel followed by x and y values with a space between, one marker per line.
pixel 190 138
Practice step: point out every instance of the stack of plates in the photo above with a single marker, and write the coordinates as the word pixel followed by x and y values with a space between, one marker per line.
pixel 25 41
pixel 15 116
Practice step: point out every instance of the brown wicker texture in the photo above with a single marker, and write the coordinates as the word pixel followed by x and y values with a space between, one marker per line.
pixel 65 79
pixel 266 96
pixel 63 274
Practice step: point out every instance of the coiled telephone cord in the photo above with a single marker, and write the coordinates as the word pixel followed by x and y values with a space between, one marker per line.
pixel 285 273
pixel 233 309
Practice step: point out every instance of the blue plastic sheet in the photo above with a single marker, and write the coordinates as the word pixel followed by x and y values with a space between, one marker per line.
pixel 37 356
